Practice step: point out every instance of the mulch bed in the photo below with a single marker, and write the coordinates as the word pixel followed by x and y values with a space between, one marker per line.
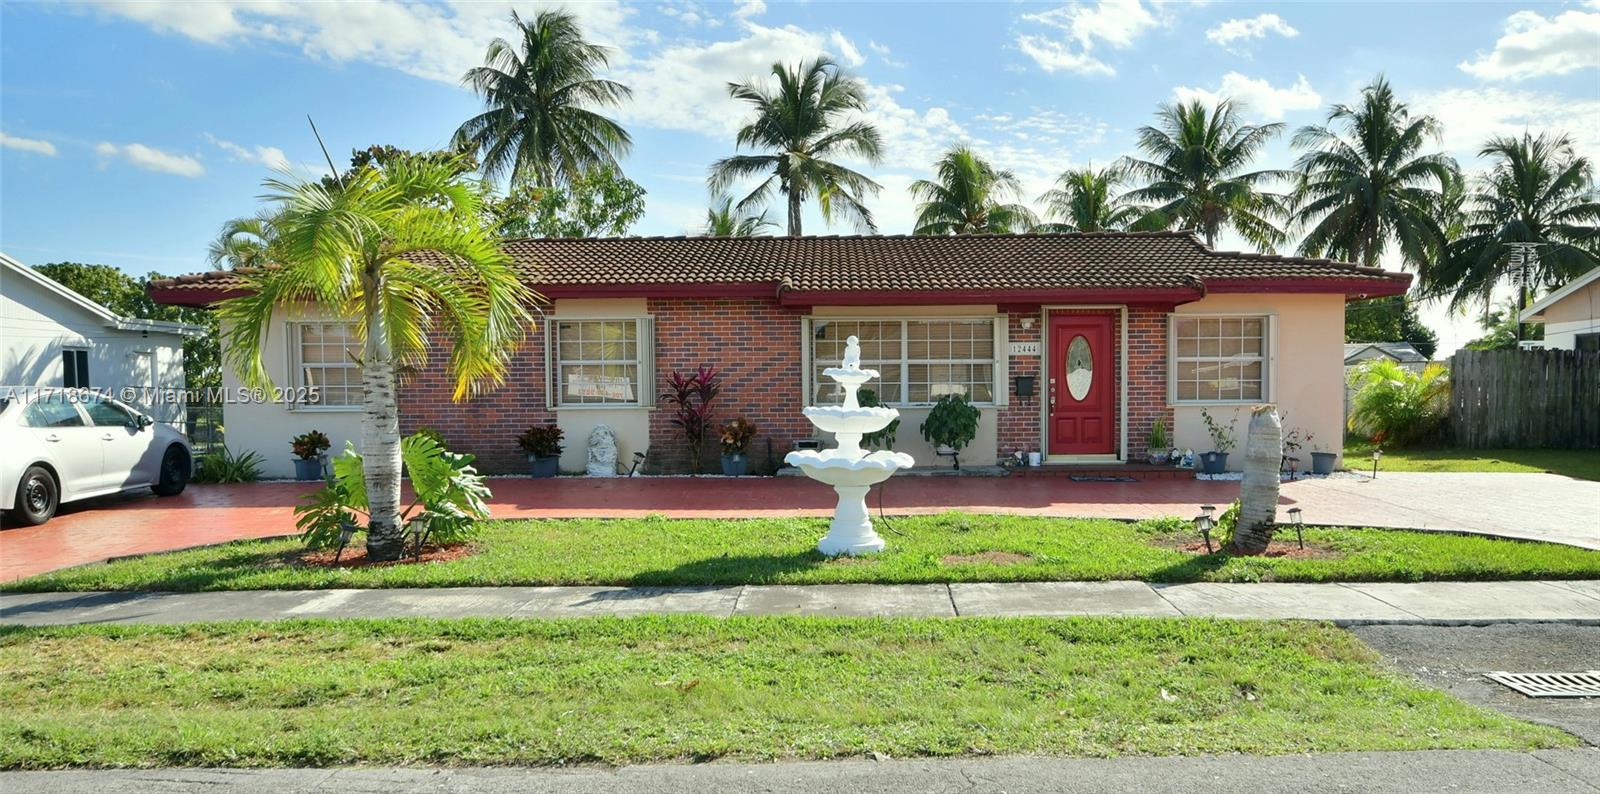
pixel 355 556
pixel 987 558
pixel 1277 548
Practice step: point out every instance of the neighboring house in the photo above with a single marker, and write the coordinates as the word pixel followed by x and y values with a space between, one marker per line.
pixel 1150 325
pixel 1357 353
pixel 1571 315
pixel 52 336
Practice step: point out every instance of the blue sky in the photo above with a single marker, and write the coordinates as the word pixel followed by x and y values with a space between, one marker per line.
pixel 130 131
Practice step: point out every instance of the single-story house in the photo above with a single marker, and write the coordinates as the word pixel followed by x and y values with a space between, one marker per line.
pixel 1071 345
pixel 1571 315
pixel 52 336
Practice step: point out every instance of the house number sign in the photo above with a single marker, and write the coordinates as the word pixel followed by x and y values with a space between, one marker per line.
pixel 1024 348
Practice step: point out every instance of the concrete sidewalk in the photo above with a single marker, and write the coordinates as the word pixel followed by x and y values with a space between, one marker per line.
pixel 1403 773
pixel 1344 604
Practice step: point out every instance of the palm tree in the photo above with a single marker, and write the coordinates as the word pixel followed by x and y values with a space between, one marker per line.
pixel 1085 200
pixel 538 124
pixel 241 243
pixel 968 197
pixel 1258 492
pixel 402 252
pixel 1534 213
pixel 1368 186
pixel 724 220
pixel 797 124
pixel 1196 175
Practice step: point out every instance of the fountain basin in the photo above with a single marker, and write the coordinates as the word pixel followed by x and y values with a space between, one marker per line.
pixel 843 419
pixel 826 467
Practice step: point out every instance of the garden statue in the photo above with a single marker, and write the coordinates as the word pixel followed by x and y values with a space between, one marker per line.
pixel 848 468
pixel 602 452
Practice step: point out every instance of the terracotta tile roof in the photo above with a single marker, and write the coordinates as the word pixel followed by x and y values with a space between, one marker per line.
pixel 1005 263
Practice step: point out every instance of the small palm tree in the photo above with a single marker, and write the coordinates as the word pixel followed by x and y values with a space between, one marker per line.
pixel 1258 492
pixel 242 243
pixel 1196 174
pixel 1086 200
pixel 799 125
pixel 969 197
pixel 1367 183
pixel 1393 405
pixel 538 124
pixel 1535 213
pixel 724 220
pixel 402 252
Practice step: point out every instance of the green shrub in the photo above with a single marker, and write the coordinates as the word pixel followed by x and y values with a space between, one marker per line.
pixel 882 439
pixel 222 466
pixel 1394 405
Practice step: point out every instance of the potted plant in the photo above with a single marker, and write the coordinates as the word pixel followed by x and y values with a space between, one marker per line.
pixel 736 438
pixel 1322 461
pixel 1157 450
pixel 691 398
pixel 1222 440
pixel 308 448
pixel 882 439
pixel 951 425
pixel 542 443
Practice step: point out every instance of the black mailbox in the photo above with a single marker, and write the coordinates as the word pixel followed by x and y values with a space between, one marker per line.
pixel 1025 384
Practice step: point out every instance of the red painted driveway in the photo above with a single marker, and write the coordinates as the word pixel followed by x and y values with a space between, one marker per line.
pixel 113 527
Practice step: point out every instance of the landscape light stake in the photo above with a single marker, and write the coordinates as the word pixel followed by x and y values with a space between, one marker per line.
pixel 1203 523
pixel 1299 525
pixel 346 531
pixel 1377 453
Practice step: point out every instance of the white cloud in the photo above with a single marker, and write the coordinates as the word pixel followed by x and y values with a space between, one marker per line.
pixel 270 156
pixel 1238 30
pixel 34 145
pixel 1256 95
pixel 151 159
pixel 847 50
pixel 1470 116
pixel 750 8
pixel 1535 45
pixel 885 54
pixel 1116 23
pixel 433 41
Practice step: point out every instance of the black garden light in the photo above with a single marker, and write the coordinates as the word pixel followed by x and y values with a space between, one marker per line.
pixel 1204 524
pixel 1376 454
pixel 1298 522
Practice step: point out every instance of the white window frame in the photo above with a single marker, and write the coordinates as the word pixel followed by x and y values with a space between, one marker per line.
pixel 644 358
pixel 1268 357
pixel 999 365
pixel 297 374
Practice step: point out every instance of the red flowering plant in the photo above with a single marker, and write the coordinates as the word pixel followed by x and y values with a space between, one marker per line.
pixel 691 399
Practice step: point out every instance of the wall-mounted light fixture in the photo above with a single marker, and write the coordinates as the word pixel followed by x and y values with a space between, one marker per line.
pixel 1027 323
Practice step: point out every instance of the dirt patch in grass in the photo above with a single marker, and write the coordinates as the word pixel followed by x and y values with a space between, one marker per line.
pixel 1278 548
pixel 987 558
pixel 357 557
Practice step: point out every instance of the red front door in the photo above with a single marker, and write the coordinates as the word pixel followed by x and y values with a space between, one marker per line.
pixel 1081 398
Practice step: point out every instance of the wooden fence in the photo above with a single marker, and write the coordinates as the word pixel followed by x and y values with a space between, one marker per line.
pixel 1525 398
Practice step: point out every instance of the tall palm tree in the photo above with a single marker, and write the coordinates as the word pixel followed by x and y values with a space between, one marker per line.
pixel 1540 194
pixel 969 197
pixel 241 243
pixel 1085 200
pixel 401 251
pixel 798 124
pixel 725 220
pixel 1367 183
pixel 538 124
pixel 1196 174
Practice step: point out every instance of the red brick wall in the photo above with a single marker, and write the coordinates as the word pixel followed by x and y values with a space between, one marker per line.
pixel 1017 424
pixel 1147 376
pixel 486 425
pixel 755 343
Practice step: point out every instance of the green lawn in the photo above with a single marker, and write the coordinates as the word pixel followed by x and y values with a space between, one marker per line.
pixel 680 552
pixel 693 688
pixel 1581 463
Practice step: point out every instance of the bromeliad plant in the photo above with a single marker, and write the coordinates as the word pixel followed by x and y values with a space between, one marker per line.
pixel 691 398
pixel 541 441
pixel 450 497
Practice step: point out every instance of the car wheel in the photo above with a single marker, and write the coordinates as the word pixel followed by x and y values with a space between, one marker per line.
pixel 37 496
pixel 174 473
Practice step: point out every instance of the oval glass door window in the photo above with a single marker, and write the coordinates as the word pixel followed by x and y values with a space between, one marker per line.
pixel 1080 367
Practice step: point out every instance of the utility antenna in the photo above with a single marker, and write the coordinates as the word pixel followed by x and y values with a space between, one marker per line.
pixel 318 135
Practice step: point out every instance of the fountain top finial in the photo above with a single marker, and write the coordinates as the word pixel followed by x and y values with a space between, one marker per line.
pixel 852 353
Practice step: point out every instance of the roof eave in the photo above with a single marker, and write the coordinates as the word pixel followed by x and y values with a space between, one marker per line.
pixel 1352 288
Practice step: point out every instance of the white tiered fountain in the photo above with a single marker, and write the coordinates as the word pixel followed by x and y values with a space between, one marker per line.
pixel 850 470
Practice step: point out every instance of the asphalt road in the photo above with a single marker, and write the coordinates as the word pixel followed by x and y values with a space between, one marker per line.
pixel 1454 659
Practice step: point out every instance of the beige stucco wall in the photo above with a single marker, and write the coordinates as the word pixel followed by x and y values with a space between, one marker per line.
pixel 1305 370
pixel 631 425
pixel 266 427
pixel 1578 313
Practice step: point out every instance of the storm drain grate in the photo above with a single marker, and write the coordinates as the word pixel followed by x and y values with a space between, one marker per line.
pixel 1551 685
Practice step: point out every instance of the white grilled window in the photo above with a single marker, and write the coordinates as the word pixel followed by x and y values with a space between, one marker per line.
pixel 1219 359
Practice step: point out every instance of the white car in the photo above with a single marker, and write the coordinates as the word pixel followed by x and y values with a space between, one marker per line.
pixel 59 445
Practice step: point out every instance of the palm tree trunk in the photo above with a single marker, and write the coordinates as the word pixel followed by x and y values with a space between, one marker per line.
pixel 794 212
pixel 1258 494
pixel 380 433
